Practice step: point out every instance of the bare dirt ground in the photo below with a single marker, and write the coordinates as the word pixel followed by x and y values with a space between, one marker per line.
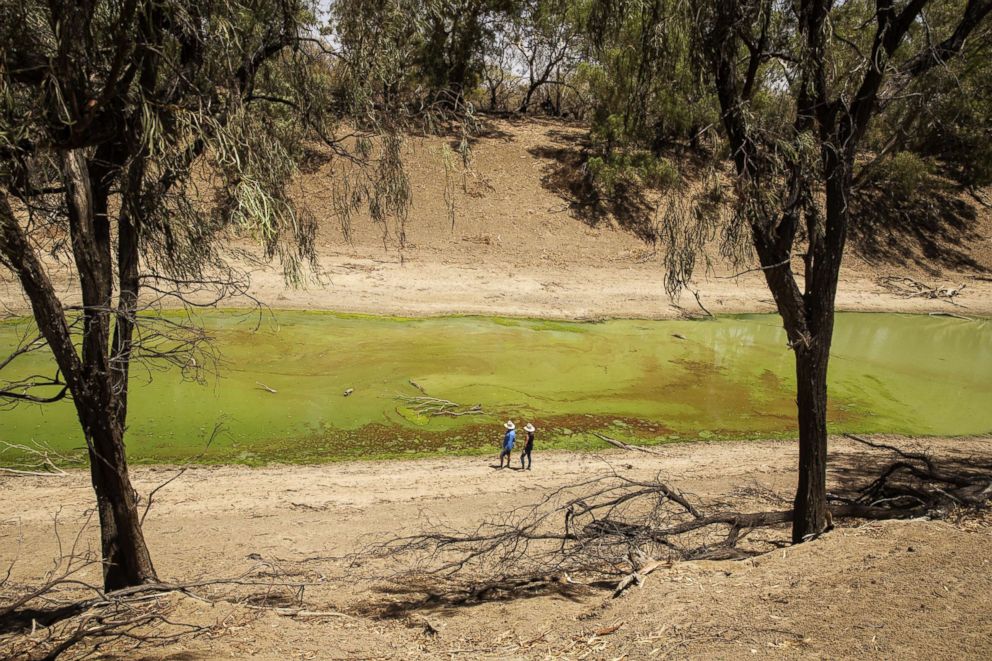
pixel 910 589
pixel 517 248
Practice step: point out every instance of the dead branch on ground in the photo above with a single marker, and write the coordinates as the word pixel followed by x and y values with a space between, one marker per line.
pixel 615 528
pixel 35 459
pixel 66 614
pixel 905 287
pixel 624 446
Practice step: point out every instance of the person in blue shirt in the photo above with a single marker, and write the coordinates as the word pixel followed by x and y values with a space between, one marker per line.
pixel 509 438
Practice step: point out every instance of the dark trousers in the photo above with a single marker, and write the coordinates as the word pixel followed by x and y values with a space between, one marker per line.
pixel 526 453
pixel 505 453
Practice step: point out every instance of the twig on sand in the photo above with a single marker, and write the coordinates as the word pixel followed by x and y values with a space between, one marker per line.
pixel 904 287
pixel 298 612
pixel 624 446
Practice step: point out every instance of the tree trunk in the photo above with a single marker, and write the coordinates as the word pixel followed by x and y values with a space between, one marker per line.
pixel 126 561
pixel 811 389
pixel 100 393
pixel 525 104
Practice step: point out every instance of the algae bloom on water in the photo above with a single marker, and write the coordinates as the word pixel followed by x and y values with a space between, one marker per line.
pixel 646 381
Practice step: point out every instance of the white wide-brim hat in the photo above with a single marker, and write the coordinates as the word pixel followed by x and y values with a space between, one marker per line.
pixel 529 427
pixel 509 424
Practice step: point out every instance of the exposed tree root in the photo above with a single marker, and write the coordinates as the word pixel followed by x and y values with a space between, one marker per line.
pixel 614 528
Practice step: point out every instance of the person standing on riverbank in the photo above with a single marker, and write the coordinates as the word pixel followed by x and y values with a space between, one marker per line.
pixel 528 447
pixel 509 438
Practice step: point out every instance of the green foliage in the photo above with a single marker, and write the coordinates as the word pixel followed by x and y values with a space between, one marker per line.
pixel 631 168
pixel 946 114
pixel 903 175
pixel 643 78
pixel 959 132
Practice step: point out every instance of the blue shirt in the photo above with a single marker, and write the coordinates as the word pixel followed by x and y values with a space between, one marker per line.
pixel 509 439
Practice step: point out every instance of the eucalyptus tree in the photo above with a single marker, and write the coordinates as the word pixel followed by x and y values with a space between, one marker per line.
pixel 646 91
pixel 453 36
pixel 798 86
pixel 547 37
pixel 136 138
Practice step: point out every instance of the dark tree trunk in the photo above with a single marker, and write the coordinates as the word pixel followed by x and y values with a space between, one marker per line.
pixel 811 390
pixel 101 391
pixel 528 95
pixel 126 560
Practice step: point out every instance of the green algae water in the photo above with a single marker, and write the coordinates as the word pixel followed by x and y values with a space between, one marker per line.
pixel 641 381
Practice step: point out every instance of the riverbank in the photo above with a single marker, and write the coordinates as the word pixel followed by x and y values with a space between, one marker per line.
pixel 914 590
pixel 516 248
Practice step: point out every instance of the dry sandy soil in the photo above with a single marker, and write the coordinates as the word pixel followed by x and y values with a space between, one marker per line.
pixel 913 589
pixel 516 248
pixel 909 590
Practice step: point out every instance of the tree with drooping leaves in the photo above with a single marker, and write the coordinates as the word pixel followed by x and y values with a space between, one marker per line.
pixel 137 139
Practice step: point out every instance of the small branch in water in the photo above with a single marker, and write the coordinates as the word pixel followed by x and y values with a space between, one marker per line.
pixel 950 314
pixel 432 406
pixel 695 292
pixel 265 387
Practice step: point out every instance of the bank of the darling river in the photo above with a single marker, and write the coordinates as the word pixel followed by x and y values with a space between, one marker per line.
pixel 894 589
pixel 306 387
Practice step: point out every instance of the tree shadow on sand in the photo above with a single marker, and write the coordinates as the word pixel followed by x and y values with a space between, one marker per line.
pixel 566 176
pixel 402 599
pixel 849 472
pixel 933 229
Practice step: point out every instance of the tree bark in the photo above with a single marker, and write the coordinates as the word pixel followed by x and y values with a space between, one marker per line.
pixel 810 503
pixel 99 398
pixel 126 561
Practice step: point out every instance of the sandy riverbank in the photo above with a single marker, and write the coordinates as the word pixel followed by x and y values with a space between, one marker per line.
pixel 914 589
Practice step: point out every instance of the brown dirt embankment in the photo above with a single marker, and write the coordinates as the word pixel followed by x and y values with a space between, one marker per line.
pixel 517 247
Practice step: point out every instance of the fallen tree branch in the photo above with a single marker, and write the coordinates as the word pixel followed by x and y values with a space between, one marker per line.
pixel 951 314
pixel 433 406
pixel 35 460
pixel 622 445
pixel 905 287
pixel 617 528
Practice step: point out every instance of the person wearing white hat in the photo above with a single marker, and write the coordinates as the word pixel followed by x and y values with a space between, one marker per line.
pixel 509 438
pixel 529 447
